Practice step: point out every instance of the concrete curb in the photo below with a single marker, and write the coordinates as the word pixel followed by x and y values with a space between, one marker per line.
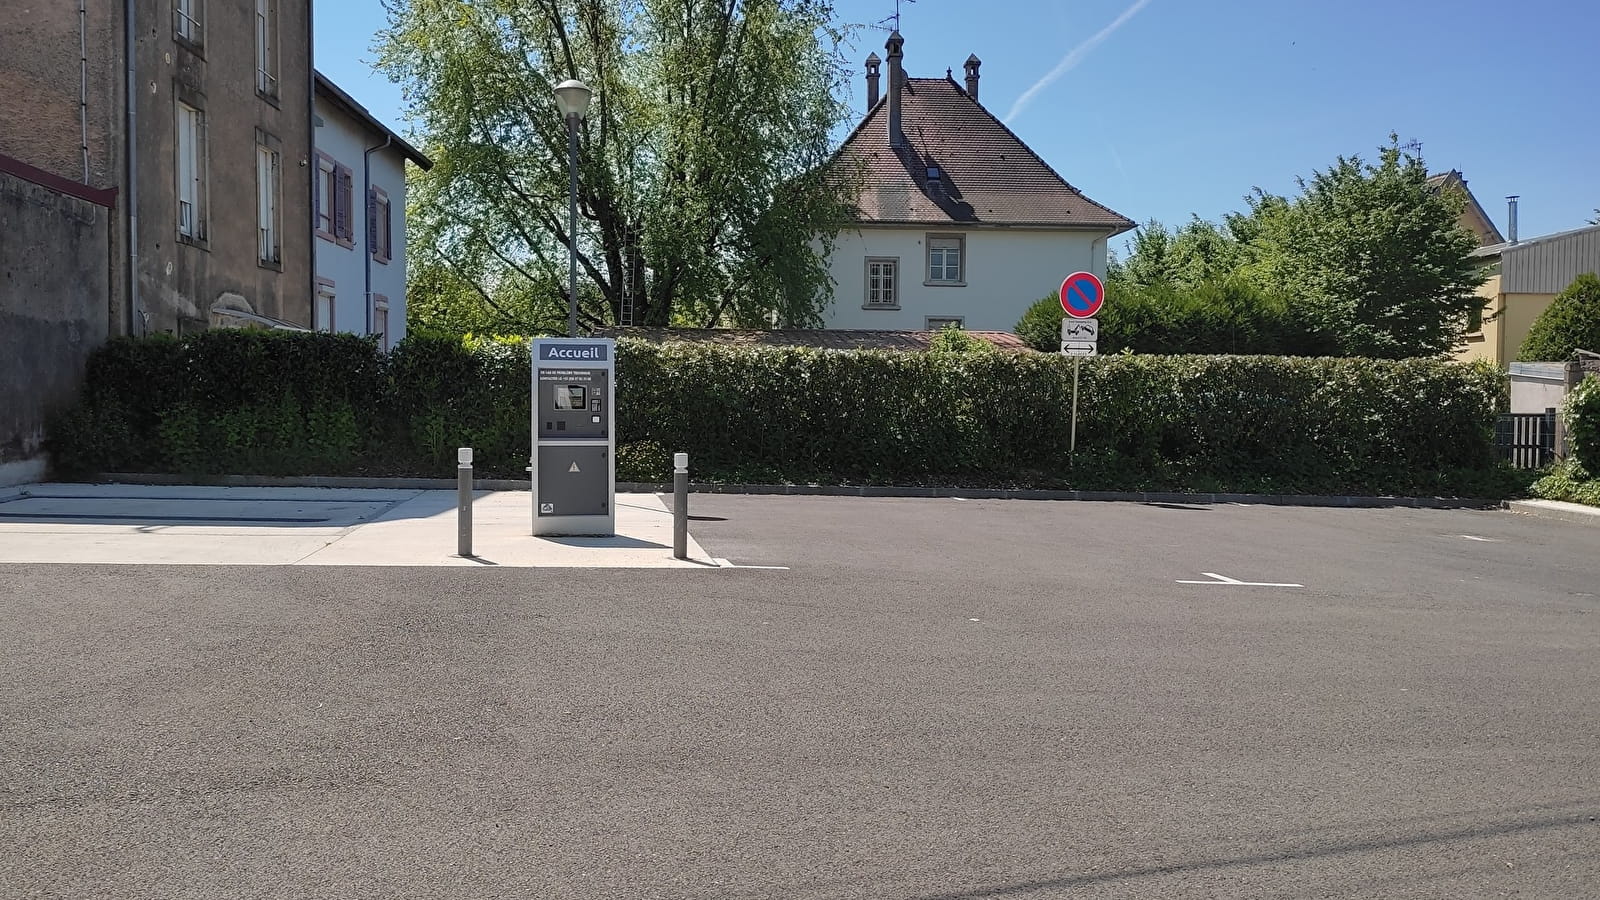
pixel 827 490
pixel 1555 509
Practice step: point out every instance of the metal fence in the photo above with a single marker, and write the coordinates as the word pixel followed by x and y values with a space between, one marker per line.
pixel 1526 440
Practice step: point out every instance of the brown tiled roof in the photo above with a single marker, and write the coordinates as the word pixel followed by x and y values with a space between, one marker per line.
pixel 987 175
pixel 825 339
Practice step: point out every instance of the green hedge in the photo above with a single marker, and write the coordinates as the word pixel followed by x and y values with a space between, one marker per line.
pixel 260 402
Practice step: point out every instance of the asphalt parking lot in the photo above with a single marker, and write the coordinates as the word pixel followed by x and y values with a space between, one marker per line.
pixel 935 699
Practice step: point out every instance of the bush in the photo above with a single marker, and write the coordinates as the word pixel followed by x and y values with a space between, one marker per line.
pixel 1040 326
pixel 1569 482
pixel 254 402
pixel 1226 315
pixel 1581 414
pixel 1571 322
pixel 952 339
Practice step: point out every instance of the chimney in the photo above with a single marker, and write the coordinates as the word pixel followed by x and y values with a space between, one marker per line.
pixel 1511 219
pixel 872 80
pixel 973 62
pixel 895 46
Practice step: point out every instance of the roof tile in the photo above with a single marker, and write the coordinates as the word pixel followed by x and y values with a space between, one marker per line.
pixel 987 175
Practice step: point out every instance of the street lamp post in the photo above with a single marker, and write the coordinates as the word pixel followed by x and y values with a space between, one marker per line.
pixel 572 99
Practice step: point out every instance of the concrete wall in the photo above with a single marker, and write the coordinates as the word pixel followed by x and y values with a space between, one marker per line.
pixel 1536 387
pixel 180 279
pixel 346 138
pixel 1007 270
pixel 51 315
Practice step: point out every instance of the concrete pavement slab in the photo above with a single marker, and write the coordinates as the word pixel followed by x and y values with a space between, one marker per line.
pixel 208 525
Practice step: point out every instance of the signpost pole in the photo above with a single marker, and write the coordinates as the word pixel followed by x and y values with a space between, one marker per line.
pixel 1072 446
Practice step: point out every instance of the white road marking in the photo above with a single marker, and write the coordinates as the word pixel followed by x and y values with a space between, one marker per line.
pixel 1473 537
pixel 1223 579
pixel 724 564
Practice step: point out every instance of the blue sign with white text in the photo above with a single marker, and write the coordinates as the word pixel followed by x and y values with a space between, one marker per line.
pixel 575 352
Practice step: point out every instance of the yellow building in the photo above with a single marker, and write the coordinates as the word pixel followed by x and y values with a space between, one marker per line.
pixel 1524 277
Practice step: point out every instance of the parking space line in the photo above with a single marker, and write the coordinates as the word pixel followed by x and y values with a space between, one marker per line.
pixel 1223 579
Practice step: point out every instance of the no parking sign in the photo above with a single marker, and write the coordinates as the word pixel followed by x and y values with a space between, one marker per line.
pixel 1081 295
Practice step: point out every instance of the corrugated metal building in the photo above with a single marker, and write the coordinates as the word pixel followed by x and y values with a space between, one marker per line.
pixel 1524 277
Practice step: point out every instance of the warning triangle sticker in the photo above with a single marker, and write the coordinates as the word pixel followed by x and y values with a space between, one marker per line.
pixel 574 468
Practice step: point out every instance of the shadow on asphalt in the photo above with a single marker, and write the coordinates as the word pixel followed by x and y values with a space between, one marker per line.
pixel 1522 826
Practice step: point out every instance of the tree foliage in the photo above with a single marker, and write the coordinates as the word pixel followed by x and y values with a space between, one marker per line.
pixel 1368 259
pixel 1571 322
pixel 697 194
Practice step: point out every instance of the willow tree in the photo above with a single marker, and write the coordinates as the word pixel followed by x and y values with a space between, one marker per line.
pixel 699 198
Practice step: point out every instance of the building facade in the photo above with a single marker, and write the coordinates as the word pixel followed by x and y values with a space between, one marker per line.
pixel 222 153
pixel 957 220
pixel 358 218
pixel 1524 277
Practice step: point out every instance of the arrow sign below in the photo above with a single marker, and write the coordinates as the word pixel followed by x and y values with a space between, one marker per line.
pixel 1077 330
pixel 1080 349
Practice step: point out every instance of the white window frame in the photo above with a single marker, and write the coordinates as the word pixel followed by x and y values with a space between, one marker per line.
pixel 268 191
pixel 266 48
pixel 878 293
pixel 186 20
pixel 190 150
pixel 324 300
pixel 940 249
pixel 928 322
pixel 380 320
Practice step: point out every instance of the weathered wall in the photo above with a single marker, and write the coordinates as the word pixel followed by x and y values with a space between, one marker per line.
pixel 180 279
pixel 41 72
pixel 54 281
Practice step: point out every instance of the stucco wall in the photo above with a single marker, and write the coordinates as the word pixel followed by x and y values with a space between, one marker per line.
pixel 346 139
pixel 53 290
pixel 1007 270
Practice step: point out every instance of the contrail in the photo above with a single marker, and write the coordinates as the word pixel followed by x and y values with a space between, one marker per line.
pixel 1072 59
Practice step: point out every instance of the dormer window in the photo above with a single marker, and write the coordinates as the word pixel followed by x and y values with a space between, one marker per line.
pixel 933 173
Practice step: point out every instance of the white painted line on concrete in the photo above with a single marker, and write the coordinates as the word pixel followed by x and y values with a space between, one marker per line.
pixel 1223 579
pixel 1473 537
pixel 724 564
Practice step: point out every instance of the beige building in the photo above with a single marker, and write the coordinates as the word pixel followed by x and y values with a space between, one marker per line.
pixel 1524 276
pixel 1473 218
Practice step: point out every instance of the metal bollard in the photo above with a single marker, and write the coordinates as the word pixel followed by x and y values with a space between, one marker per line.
pixel 464 501
pixel 680 505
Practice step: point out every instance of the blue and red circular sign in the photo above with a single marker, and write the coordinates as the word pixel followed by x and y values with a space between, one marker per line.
pixel 1081 295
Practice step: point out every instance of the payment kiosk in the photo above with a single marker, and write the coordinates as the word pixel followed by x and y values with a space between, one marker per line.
pixel 574 436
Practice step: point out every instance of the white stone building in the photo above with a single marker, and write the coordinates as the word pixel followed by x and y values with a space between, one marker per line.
pixel 957 220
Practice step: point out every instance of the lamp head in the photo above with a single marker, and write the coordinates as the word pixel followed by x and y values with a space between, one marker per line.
pixel 572 98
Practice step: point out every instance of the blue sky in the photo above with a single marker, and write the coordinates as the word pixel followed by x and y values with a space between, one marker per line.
pixel 1162 108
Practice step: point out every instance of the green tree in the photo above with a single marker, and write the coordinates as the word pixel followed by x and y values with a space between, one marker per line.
pixel 699 196
pixel 1195 252
pixel 1370 256
pixel 1571 322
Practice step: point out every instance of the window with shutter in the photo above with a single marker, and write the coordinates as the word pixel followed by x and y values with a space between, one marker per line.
pixel 343 228
pixel 378 225
pixel 327 190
